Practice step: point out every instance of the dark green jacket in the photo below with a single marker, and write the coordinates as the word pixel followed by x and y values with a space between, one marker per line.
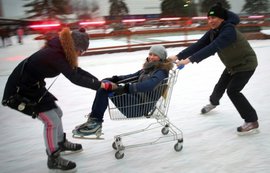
pixel 231 46
pixel 238 56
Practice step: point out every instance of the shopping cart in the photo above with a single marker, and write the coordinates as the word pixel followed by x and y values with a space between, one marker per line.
pixel 150 105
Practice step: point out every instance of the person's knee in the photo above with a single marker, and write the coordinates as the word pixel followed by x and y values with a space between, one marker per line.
pixel 50 119
pixel 102 93
pixel 232 92
pixel 59 112
pixel 50 123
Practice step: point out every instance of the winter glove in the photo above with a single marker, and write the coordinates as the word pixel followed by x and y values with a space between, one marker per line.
pixel 122 89
pixel 109 86
pixel 113 79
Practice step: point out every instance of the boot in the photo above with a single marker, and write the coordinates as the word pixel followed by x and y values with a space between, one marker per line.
pixel 68 146
pixel 207 108
pixel 55 161
pixel 248 128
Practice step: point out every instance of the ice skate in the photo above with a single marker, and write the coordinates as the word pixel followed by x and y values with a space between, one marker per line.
pixel 68 147
pixel 56 163
pixel 248 128
pixel 207 108
pixel 92 129
pixel 88 119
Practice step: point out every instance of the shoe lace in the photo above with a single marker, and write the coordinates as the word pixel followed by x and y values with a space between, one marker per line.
pixel 88 120
pixel 70 145
pixel 61 162
pixel 247 126
pixel 210 106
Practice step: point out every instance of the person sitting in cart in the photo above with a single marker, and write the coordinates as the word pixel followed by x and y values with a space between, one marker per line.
pixel 138 88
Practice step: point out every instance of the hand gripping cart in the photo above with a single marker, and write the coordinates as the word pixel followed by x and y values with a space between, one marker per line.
pixel 149 105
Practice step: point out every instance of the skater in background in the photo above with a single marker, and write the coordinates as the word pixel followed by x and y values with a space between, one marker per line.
pixel 8 34
pixel 4 33
pixel 136 85
pixel 238 57
pixel 20 33
pixel 58 56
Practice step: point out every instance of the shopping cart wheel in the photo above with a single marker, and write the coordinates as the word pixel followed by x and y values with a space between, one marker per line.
pixel 165 130
pixel 119 155
pixel 178 146
pixel 114 146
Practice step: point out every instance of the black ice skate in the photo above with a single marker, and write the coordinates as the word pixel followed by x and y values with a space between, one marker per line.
pixel 207 108
pixel 56 162
pixel 68 147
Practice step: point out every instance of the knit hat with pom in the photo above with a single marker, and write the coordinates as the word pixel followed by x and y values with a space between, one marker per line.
pixel 81 39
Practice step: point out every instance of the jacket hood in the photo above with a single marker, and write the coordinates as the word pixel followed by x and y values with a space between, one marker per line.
pixel 232 18
pixel 166 65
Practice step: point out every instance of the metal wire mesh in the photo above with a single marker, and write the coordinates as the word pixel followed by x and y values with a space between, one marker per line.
pixel 152 104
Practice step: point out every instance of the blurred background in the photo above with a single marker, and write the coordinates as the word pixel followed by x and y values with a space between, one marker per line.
pixel 126 19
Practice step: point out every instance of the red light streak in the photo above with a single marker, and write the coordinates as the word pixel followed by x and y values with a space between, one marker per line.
pixel 199 17
pixel 44 25
pixel 133 20
pixel 256 17
pixel 170 18
pixel 93 23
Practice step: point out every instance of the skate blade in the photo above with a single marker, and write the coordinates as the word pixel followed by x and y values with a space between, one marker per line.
pixel 62 171
pixel 89 137
pixel 251 132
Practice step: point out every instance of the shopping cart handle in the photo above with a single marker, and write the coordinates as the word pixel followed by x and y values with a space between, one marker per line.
pixel 181 67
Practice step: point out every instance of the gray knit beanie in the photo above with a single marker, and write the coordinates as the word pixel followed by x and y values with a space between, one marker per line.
pixel 81 39
pixel 159 50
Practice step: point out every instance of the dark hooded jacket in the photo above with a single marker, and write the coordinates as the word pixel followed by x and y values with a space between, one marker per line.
pixel 57 57
pixel 144 89
pixel 148 77
pixel 231 46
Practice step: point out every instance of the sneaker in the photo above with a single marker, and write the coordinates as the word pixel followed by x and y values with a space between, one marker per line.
pixel 248 128
pixel 68 147
pixel 207 108
pixel 92 126
pixel 55 161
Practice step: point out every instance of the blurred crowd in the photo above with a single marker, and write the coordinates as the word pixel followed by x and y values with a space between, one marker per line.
pixel 7 32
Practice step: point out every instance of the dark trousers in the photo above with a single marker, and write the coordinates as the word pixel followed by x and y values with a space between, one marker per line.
pixel 131 105
pixel 100 104
pixel 234 84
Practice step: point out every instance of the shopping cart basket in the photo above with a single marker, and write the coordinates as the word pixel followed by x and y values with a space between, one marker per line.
pixel 149 105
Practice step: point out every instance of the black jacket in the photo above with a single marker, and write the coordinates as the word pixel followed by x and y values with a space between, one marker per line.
pixel 48 62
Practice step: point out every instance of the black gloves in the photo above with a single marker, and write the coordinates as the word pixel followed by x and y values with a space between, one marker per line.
pixel 113 79
pixel 122 89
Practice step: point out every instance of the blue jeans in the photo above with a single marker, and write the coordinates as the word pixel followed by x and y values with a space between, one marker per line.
pixel 131 105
